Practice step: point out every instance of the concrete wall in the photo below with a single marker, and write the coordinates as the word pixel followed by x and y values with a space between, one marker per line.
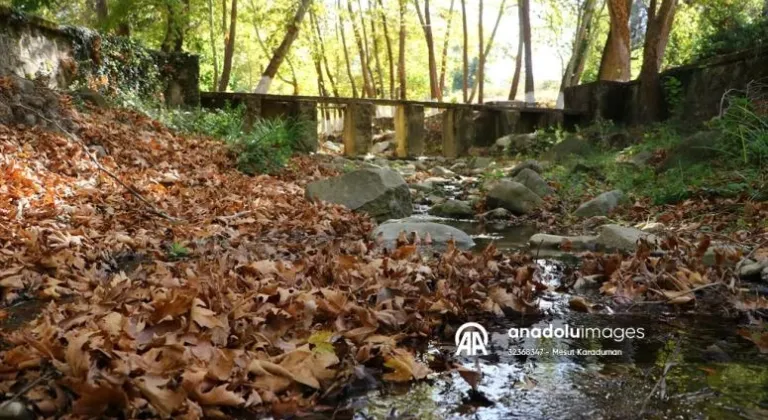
pixel 34 48
pixel 703 86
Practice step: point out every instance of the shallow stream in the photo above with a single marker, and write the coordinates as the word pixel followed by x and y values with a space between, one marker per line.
pixel 688 365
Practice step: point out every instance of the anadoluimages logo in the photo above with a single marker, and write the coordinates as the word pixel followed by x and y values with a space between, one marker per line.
pixel 471 338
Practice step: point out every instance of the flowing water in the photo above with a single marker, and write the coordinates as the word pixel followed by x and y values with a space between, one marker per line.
pixel 686 366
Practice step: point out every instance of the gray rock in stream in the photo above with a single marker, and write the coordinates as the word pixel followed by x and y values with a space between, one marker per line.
pixel 534 182
pixel 602 205
pixel 610 238
pixel 514 197
pixel 621 238
pixel 556 242
pixel 454 209
pixel 440 233
pixel 382 193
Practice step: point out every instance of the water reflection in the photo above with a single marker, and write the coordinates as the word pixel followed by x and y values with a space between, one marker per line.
pixel 571 386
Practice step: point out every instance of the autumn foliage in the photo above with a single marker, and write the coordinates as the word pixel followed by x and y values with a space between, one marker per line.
pixel 276 304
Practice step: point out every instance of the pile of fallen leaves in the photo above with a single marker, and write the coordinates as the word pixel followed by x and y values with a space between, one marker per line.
pixel 179 287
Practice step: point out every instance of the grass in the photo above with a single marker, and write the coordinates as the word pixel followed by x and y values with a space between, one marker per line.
pixel 265 148
pixel 737 169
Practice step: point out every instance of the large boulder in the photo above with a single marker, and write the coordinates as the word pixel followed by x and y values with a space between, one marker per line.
pixel 481 162
pixel 601 205
pixel 389 231
pixel 572 146
pixel 381 147
pixel 621 238
pixel 699 147
pixel 516 143
pixel 514 197
pixel 380 192
pixel 454 209
pixel 528 164
pixel 440 171
pixel 555 242
pixel 534 182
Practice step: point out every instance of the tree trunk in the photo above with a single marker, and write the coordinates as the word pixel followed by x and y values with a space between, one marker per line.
pixel 581 64
pixel 314 22
pixel 229 49
pixel 346 51
pixel 480 71
pixel 282 50
pixel 529 93
pixel 615 64
pixel 175 25
pixel 426 25
pixel 367 51
pixel 656 37
pixel 519 59
pixel 444 55
pixel 390 54
pixel 213 46
pixel 376 49
pixel 101 9
pixel 580 48
pixel 465 64
pixel 484 57
pixel 401 58
pixel 367 88
pixel 268 52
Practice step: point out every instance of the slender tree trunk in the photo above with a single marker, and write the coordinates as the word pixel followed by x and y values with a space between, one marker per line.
pixel 444 55
pixel 765 8
pixel 580 48
pixel 101 9
pixel 480 70
pixel 426 24
pixel 213 46
pixel 581 64
pixel 465 64
pixel 229 49
pixel 530 97
pixel 390 54
pixel 367 87
pixel 314 22
pixel 369 66
pixel 401 58
pixel 346 51
pixel 659 23
pixel 484 57
pixel 519 59
pixel 175 25
pixel 268 52
pixel 376 49
pixel 615 63
pixel 282 50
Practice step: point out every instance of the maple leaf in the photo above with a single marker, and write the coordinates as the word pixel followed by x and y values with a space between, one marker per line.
pixel 164 399
pixel 405 367
pixel 499 299
pixel 203 316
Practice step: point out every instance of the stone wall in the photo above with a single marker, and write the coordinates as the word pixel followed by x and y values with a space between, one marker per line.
pixel 37 49
pixel 702 87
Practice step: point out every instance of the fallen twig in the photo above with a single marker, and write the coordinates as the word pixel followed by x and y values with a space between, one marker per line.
pixel 98 164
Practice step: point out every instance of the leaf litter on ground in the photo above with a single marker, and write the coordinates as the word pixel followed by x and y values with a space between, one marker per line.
pixel 275 303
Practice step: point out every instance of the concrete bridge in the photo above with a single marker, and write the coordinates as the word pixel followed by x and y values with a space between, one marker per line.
pixel 464 125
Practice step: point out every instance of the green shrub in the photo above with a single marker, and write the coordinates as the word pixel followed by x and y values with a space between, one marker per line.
pixel 745 132
pixel 264 149
pixel 743 35
pixel 268 146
